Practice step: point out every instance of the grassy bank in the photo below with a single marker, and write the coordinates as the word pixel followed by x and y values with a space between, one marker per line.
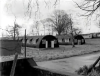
pixel 94 72
pixel 64 51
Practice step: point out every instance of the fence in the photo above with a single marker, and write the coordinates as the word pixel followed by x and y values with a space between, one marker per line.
pixel 9 47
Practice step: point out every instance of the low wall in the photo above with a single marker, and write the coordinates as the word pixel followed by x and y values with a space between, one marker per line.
pixel 28 67
pixel 41 71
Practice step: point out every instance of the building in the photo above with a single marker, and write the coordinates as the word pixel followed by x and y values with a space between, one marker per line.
pixel 47 41
pixel 67 39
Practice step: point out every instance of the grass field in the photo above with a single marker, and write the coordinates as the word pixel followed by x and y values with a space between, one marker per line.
pixel 64 51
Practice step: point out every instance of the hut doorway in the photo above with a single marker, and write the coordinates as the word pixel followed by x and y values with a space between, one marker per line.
pixel 49 44
pixel 46 45
pixel 52 44
pixel 47 41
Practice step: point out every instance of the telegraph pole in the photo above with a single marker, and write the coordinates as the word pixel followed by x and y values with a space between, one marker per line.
pixel 14 28
pixel 73 45
pixel 25 43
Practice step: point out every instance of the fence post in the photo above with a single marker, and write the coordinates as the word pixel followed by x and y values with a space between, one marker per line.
pixel 14 65
pixel 25 43
pixel 91 67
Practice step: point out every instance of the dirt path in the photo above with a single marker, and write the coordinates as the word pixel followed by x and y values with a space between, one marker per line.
pixel 70 64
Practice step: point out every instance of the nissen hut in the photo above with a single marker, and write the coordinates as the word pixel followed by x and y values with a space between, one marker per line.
pixel 67 39
pixel 47 41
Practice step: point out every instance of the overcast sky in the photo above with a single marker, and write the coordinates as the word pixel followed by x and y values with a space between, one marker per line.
pixel 19 7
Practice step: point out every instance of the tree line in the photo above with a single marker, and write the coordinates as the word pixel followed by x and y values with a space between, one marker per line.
pixel 60 21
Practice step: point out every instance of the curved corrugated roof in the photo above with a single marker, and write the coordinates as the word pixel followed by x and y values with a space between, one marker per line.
pixel 40 39
pixel 63 36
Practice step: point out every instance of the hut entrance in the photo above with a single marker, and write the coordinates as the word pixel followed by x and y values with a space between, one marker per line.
pixel 49 44
pixel 52 44
pixel 47 41
pixel 46 45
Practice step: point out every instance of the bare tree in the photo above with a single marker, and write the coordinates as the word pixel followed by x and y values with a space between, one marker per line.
pixel 30 7
pixel 35 28
pixel 77 31
pixel 13 31
pixel 90 6
pixel 98 23
pixel 43 23
pixel 60 21
pixel 37 5
pixel 71 30
pixel 32 32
